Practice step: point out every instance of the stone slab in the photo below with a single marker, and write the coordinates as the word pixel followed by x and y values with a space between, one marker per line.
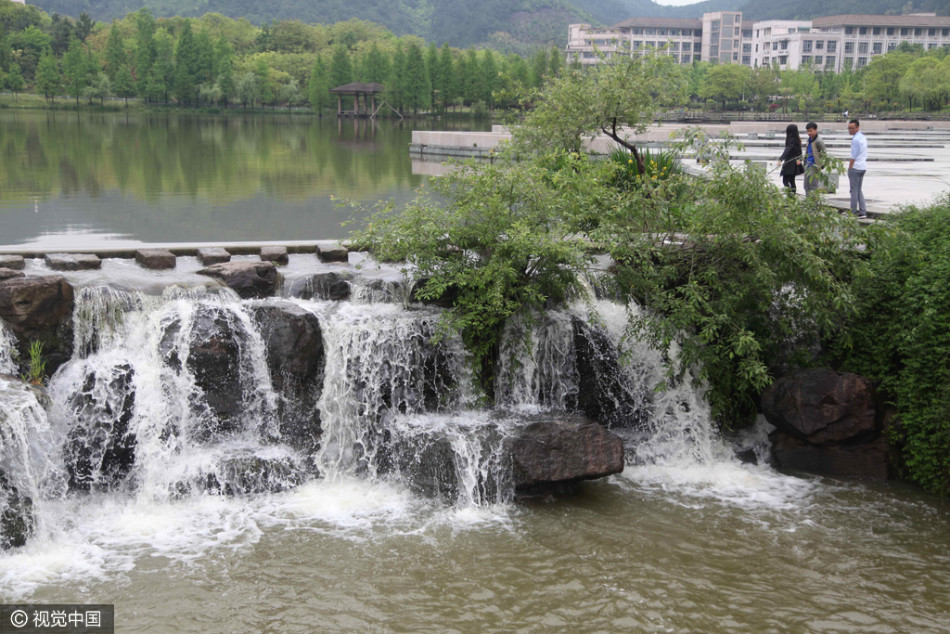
pixel 73 261
pixel 14 262
pixel 333 253
pixel 155 258
pixel 213 255
pixel 277 255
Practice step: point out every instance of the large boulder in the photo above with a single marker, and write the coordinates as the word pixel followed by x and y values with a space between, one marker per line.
pixel 39 309
pixel 332 285
pixel 100 447
pixel 249 279
pixel 17 522
pixel 826 422
pixel 214 359
pixel 295 359
pixel 604 393
pixel 555 452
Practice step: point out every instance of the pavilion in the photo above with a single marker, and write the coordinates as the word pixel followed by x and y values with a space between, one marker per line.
pixel 357 90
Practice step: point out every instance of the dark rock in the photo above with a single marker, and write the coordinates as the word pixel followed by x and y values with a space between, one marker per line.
pixel 100 449
pixel 563 449
pixel 295 360
pixel 6 274
pixel 333 253
pixel 249 279
pixel 277 255
pixel 249 474
pixel 213 255
pixel 332 285
pixel 604 394
pixel 862 458
pixel 821 406
pixel 39 309
pixel 73 261
pixel 214 359
pixel 155 258
pixel 17 523
pixel 826 423
pixel 14 262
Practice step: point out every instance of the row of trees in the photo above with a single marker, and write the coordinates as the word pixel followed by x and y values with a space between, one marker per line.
pixel 218 60
pixel 906 78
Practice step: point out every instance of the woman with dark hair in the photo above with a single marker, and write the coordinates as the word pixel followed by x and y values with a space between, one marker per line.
pixel 791 159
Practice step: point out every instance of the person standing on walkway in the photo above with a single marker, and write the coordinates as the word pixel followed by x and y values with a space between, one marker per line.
pixel 814 157
pixel 857 167
pixel 791 160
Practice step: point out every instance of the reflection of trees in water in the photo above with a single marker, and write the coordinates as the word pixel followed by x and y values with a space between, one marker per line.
pixel 219 158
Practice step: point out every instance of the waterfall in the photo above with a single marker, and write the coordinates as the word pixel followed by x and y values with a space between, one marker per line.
pixel 167 394
pixel 381 363
pixel 30 468
pixel 7 350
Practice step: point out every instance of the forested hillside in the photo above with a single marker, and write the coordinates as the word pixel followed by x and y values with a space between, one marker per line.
pixel 507 25
pixel 458 22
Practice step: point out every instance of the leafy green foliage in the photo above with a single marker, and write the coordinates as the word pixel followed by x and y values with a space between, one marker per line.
pixel 496 240
pixel 902 336
pixel 36 370
pixel 733 274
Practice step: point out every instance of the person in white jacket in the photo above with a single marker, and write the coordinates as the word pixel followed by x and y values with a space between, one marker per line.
pixel 857 168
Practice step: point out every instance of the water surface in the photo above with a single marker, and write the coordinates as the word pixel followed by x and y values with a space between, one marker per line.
pixel 75 180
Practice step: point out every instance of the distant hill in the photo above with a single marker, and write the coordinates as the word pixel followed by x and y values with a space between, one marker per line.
pixel 512 24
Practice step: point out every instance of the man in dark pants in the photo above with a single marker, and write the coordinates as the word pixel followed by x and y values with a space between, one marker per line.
pixel 857 167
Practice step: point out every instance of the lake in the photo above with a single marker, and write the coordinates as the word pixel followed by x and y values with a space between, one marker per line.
pixel 84 180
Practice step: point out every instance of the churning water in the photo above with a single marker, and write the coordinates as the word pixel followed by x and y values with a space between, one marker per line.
pixel 206 512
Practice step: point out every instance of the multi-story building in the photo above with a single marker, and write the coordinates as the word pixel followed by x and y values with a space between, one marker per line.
pixel 831 43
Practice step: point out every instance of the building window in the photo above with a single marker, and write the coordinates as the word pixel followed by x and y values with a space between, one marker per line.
pixel 917 32
pixel 746 60
pixel 876 30
pixel 661 31
pixel 687 46
pixel 638 31
pixel 890 30
pixel 829 61
pixel 774 46
pixel 876 49
pixel 819 45
pixel 806 59
pixel 637 44
pixel 832 46
pixel 685 59
pixel 848 62
pixel 746 48
pixel 891 46
pixel 932 32
pixel 747 34
pixel 848 48
pixel 863 30
pixel 862 47
pixel 806 46
pixel 946 32
pixel 862 62
pixel 905 31
pixel 849 30
pixel 819 60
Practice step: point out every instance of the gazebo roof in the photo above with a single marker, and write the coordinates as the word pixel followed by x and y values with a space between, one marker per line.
pixel 358 88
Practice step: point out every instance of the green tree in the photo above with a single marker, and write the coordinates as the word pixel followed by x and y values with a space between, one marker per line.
pixel 124 86
pixel 266 86
pixel 144 48
pixel 186 66
pixel 416 80
pixel 84 26
pixel 446 88
pixel 556 63
pixel 319 86
pixel 616 97
pixel 14 79
pixel 48 77
pixel 882 76
pixel 539 68
pixel 115 55
pixel 375 66
pixel 725 82
pixel 224 68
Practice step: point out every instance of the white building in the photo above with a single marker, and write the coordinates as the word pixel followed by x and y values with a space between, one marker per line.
pixel 830 43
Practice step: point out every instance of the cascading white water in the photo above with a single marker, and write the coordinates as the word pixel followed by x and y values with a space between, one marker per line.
pixel 7 343
pixel 381 362
pixel 136 373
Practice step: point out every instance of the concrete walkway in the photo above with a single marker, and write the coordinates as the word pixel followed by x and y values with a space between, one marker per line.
pixel 909 161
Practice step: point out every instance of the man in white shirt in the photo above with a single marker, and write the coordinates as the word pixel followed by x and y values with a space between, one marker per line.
pixel 857 167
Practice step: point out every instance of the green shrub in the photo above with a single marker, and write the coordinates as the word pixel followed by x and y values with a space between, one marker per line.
pixel 658 165
pixel 901 336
